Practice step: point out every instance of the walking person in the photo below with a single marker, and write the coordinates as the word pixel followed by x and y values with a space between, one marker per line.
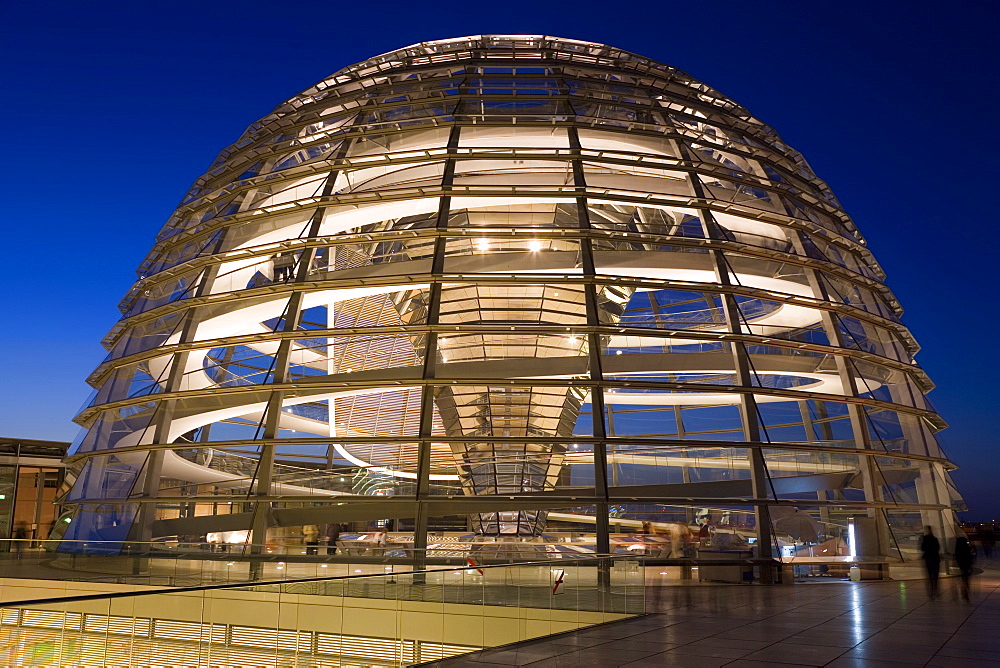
pixel 310 536
pixel 989 542
pixel 965 556
pixel 284 264
pixel 332 536
pixel 930 550
pixel 20 537
pixel 380 540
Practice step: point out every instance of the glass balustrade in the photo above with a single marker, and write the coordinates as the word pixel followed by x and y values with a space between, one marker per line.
pixel 388 619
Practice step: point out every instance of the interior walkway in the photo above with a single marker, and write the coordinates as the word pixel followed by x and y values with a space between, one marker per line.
pixel 837 624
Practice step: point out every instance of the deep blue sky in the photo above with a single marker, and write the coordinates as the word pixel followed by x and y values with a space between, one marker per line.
pixel 111 110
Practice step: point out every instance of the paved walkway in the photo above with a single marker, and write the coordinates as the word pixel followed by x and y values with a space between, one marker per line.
pixel 837 624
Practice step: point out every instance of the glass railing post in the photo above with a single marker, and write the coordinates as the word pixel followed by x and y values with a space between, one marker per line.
pixel 276 647
pixel 604 565
pixel 59 646
pixel 401 655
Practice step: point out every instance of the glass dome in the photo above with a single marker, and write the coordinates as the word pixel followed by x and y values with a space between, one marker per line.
pixel 513 290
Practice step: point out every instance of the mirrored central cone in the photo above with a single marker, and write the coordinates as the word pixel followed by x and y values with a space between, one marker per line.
pixel 528 403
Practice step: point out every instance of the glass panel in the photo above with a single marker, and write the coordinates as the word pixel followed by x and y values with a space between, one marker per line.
pixel 634 178
pixel 746 194
pixel 269 230
pixel 386 178
pixel 549 304
pixel 857 296
pixel 378 145
pixel 632 142
pixel 488 348
pixel 146 335
pixel 307 154
pixel 120 427
pixel 511 254
pixel 512 173
pixel 108 477
pixel 482 137
pixel 133 380
pixel 177 254
pixel 167 291
pixel 99 528
pixel 651 223
pixel 286 194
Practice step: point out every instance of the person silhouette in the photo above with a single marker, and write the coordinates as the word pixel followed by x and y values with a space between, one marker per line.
pixel 964 558
pixel 284 265
pixel 930 550
pixel 20 537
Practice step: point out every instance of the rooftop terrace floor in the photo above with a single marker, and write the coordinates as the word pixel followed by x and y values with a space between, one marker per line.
pixel 836 624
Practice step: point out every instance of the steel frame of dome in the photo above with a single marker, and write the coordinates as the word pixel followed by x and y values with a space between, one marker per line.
pixel 506 276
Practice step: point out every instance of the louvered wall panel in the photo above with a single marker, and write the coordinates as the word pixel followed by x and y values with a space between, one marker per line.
pixel 430 651
pixel 190 631
pixel 286 641
pixel 384 649
pixel 52 619
pixel 130 626
pixel 197 644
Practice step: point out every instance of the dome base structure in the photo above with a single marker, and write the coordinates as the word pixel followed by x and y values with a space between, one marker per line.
pixel 513 289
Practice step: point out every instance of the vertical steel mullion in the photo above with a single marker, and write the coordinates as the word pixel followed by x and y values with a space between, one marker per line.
pixel 309 255
pixel 749 413
pixel 855 412
pixel 165 410
pixel 597 405
pixel 430 356
pixel 686 471
pixel 810 429
pixel 272 422
pixel 280 374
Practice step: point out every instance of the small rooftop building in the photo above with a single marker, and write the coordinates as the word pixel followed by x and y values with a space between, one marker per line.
pixel 31 474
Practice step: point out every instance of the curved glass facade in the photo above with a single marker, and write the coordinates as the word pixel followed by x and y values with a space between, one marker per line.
pixel 513 289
